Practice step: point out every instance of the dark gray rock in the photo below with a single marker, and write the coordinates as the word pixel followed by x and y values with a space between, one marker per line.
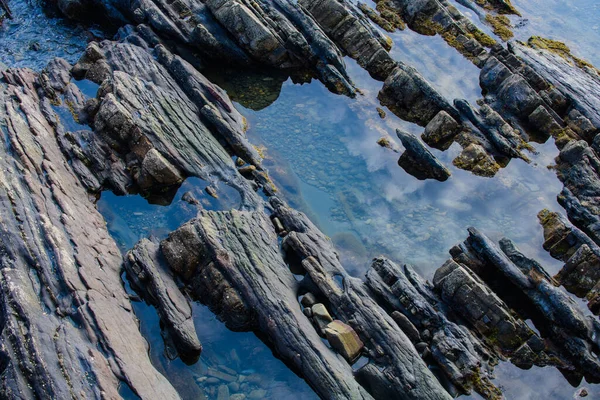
pixel 418 161
pixel 459 354
pixel 574 335
pixel 354 34
pixel 60 267
pixel 272 33
pixel 408 95
pixel 231 261
pixel 440 131
pixel 349 300
pixel 149 277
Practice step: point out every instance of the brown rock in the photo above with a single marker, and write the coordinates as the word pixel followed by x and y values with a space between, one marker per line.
pixel 344 339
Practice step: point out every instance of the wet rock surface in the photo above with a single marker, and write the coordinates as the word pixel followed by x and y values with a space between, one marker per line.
pixel 154 121
pixel 67 323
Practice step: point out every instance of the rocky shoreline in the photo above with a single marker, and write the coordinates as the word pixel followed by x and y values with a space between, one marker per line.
pixel 68 327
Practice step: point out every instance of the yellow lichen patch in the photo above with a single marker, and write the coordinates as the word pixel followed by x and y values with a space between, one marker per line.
pixel 384 16
pixel 483 38
pixel 503 7
pixel 452 41
pixel 501 26
pixel 260 150
pixel 559 48
pixel 393 18
pixel 384 142
pixel 484 386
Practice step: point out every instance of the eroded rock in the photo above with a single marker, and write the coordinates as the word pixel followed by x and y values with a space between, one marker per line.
pixel 418 161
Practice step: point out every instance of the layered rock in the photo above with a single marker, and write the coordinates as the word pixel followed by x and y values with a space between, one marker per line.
pixel 386 345
pixel 408 95
pixel 232 262
pixel 352 33
pixel 431 17
pixel 420 313
pixel 271 33
pixel 67 325
pixel 571 337
pixel 581 272
pixel 549 93
pixel 154 121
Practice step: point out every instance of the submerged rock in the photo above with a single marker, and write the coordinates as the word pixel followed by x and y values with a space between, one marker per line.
pixel 159 288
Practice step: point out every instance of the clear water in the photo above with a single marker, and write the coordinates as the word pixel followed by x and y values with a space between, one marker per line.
pixel 37 33
pixel 574 22
pixel 326 160
pixel 322 153
pixel 255 371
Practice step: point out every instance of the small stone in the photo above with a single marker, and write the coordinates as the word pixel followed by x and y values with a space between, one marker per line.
pixel 543 121
pixel 418 161
pixel 308 300
pixel 385 142
pixel 35 46
pixel 234 386
pixel 381 112
pixel 279 228
pixel 188 197
pixel 407 327
pixel 221 375
pixel 237 396
pixel 422 349
pixel 321 317
pixel 223 393
pixel 583 392
pixel 344 340
pixel 247 170
pixel 440 131
pixel 211 191
pixel 474 158
pixel 257 394
pixel 162 171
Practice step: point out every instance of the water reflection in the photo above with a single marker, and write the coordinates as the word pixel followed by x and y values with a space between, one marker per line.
pixel 131 218
pixel 574 22
pixel 231 362
pixel 359 194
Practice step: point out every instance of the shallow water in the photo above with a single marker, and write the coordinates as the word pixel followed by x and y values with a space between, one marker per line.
pixel 322 153
pixel 368 205
pixel 38 33
pixel 241 356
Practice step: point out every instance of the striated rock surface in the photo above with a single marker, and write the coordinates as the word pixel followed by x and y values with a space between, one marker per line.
pixel 67 325
pixel 271 33
pixel 232 262
pixel 465 360
pixel 408 95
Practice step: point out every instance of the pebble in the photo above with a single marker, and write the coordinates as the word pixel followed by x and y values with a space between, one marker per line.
pixel 257 394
